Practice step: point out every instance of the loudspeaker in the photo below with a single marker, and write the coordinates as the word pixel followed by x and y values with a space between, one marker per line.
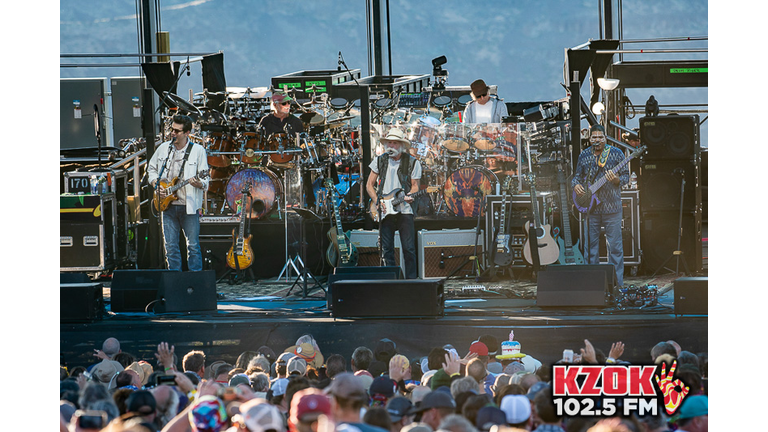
pixel 73 278
pixel 81 302
pixel 660 185
pixel 607 269
pixel 134 290
pixel 659 238
pixel 187 292
pixel 409 298
pixel 585 287
pixel 360 273
pixel 670 137
pixel 691 296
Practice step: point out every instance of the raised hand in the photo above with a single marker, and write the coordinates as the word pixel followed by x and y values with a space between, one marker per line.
pixel 672 397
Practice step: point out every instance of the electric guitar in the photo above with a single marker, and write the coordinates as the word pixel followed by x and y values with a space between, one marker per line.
pixel 569 254
pixel 240 255
pixel 391 203
pixel 586 201
pixel 161 204
pixel 341 252
pixel 503 256
pixel 548 251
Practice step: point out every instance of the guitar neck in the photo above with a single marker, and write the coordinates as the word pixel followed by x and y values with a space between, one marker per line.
pixel 565 213
pixel 604 179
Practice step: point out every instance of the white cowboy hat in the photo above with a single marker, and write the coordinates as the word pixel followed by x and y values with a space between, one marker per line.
pixel 396 135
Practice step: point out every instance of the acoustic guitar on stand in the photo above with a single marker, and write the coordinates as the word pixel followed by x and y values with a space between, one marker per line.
pixel 548 250
pixel 161 204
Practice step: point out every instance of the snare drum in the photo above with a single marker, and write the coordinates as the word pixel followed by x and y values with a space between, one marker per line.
pixel 266 189
pixel 466 188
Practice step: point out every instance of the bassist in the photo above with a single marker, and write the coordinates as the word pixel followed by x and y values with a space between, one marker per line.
pixel 594 162
pixel 180 159
pixel 392 170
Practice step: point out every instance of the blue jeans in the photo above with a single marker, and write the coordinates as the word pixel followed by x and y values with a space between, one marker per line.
pixel 612 224
pixel 176 219
pixel 404 224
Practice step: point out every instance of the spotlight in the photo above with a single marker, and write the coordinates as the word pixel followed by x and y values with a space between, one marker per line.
pixel 440 75
pixel 607 84
pixel 598 108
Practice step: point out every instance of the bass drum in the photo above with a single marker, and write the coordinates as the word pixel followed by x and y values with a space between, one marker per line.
pixel 266 189
pixel 466 188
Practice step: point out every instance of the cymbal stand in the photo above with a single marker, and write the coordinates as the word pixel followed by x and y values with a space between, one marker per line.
pixel 288 261
pixel 305 216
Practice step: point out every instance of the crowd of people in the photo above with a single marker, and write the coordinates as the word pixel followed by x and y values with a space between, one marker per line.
pixel 298 389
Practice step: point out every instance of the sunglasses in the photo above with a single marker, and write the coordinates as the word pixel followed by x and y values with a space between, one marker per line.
pixel 285 103
pixel 482 95
pixel 177 130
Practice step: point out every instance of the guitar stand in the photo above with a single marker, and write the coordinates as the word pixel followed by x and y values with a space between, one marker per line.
pixel 305 215
pixel 475 256
pixel 678 253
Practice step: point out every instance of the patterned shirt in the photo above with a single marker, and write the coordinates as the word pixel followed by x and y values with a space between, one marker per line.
pixel 588 171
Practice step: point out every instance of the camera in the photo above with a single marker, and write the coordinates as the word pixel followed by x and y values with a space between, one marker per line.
pixel 165 379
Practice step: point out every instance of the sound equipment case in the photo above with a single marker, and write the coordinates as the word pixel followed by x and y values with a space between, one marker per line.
pixel 88 234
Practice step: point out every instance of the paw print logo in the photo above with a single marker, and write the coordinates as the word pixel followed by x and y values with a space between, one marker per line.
pixel 674 390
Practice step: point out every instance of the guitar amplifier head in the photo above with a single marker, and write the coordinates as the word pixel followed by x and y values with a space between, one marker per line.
pixel 367 244
pixel 446 252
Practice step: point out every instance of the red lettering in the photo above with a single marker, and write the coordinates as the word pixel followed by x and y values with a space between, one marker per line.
pixel 590 383
pixel 641 381
pixel 615 381
pixel 564 379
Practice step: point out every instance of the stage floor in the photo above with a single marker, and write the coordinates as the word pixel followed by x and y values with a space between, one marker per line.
pixel 276 312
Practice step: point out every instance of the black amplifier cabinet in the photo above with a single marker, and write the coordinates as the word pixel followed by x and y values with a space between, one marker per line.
pixel 691 296
pixel 630 229
pixel 88 238
pixel 81 302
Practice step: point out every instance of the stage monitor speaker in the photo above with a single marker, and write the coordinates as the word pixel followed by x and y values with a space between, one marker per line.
pixel 396 271
pixel 585 287
pixel 670 137
pixel 73 278
pixel 135 290
pixel 660 185
pixel 187 292
pixel 610 272
pixel 659 238
pixel 408 298
pixel 360 273
pixel 691 296
pixel 81 302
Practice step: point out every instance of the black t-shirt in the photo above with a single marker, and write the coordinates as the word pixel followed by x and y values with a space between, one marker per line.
pixel 270 124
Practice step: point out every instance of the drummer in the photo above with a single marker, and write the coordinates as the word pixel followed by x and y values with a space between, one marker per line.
pixel 280 119
pixel 484 107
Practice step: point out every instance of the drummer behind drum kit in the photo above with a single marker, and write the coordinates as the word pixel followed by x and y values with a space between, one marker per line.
pixel 239 152
pixel 453 155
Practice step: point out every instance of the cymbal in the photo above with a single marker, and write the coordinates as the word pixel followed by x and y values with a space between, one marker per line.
pixel 455 144
pixel 182 103
pixel 253 92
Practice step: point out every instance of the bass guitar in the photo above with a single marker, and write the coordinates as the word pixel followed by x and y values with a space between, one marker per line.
pixel 161 204
pixel 391 203
pixel 240 255
pixel 341 252
pixel 586 201
pixel 503 256
pixel 547 249
pixel 569 253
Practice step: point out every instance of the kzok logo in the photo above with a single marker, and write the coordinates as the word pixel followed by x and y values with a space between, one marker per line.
pixel 591 390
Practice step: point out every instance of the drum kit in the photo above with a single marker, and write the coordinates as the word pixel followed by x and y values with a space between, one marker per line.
pixel 460 159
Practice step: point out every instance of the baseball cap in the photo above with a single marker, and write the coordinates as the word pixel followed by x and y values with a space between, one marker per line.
pixel 517 408
pixel 694 406
pixel 278 387
pixel 417 427
pixel 537 387
pixel 260 416
pixel 383 385
pixel 297 364
pixel 308 404
pixel 208 414
pixel 279 97
pixel 489 416
pixel 142 402
pixel 398 407
pixel 436 399
pixel 478 348
pixel 346 385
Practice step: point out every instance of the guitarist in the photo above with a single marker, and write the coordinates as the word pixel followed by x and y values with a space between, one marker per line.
pixel 393 169
pixel 594 162
pixel 180 158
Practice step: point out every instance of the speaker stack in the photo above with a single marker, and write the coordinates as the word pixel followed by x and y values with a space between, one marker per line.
pixel 673 156
pixel 163 291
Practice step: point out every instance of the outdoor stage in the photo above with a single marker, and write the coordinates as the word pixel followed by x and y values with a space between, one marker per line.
pixel 252 314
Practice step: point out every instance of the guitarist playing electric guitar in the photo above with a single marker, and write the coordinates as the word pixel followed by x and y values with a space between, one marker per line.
pixel 599 161
pixel 396 169
pixel 184 160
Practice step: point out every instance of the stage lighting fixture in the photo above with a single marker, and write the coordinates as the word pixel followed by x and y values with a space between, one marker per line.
pixel 607 84
pixel 598 108
pixel 437 71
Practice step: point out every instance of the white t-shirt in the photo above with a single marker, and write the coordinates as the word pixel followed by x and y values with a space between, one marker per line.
pixel 392 182
pixel 483 113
